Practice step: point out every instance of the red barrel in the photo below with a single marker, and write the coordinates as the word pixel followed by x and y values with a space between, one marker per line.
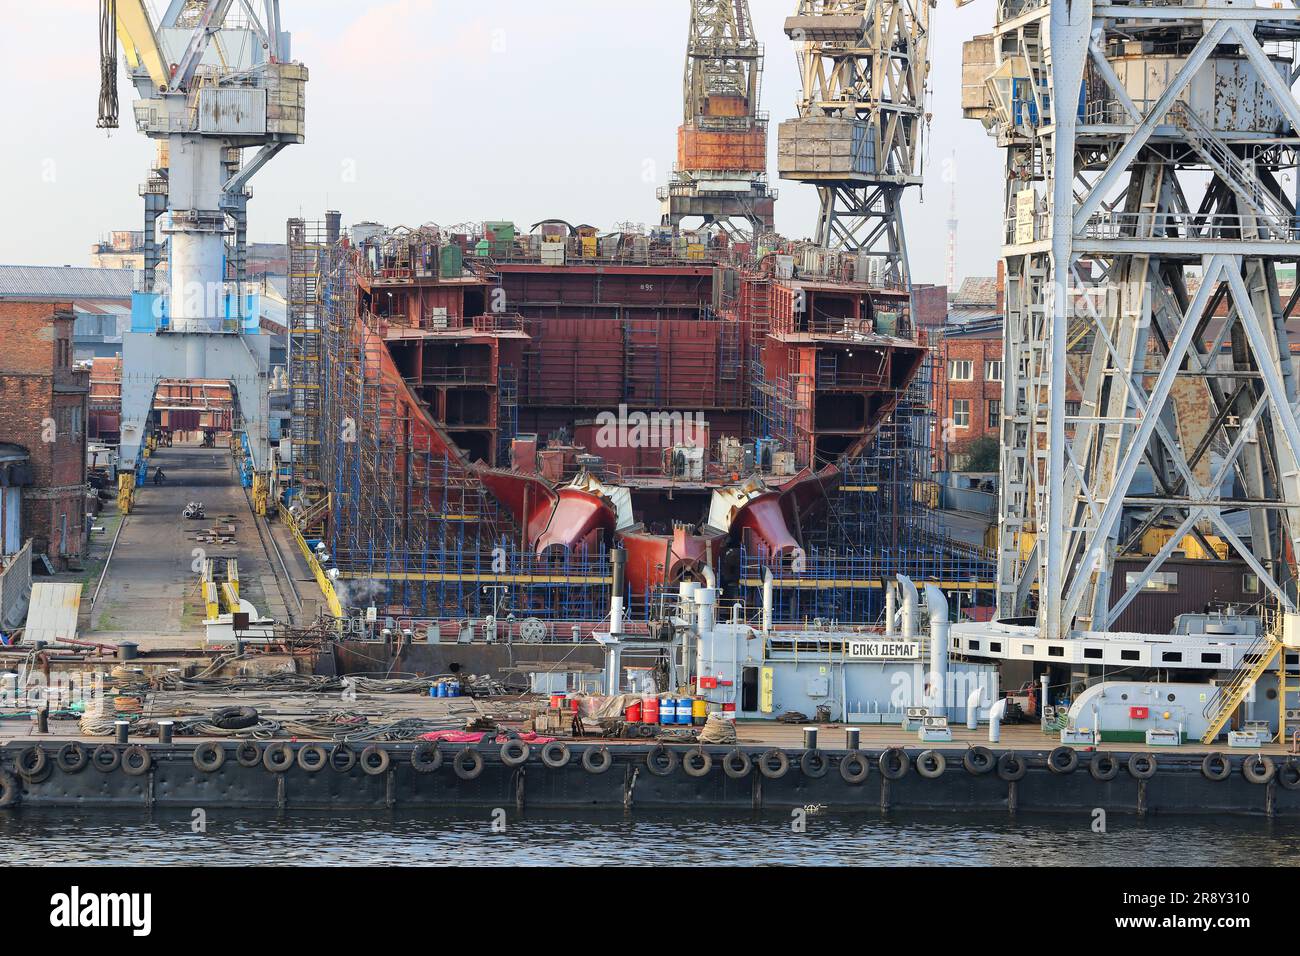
pixel 633 714
pixel 650 710
pixel 575 705
pixel 557 700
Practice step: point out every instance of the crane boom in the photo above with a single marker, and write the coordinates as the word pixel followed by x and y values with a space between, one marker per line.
pixel 140 42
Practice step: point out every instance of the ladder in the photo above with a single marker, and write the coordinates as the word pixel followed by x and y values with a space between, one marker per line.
pixel 1229 697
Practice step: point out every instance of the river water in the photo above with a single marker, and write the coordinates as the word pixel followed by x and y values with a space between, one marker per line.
pixel 241 838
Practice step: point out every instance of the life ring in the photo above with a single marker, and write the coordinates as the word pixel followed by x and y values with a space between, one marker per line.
pixel 660 761
pixel 598 759
pixel 278 757
pixel 556 754
pixel 737 765
pixel 813 764
pixel 854 767
pixel 468 764
pixel 1258 768
pixel 136 761
pixel 248 754
pixel 931 764
pixel 313 758
pixel 10 790
pixel 342 758
pixel 375 760
pixel 774 764
pixel 697 763
pixel 32 762
pixel 426 757
pixel 1103 767
pixel 1142 766
pixel 1063 760
pixel 71 758
pixel 1216 766
pixel 1288 775
pixel 105 758
pixel 209 756
pixel 515 752
pixel 979 761
pixel 235 718
pixel 1011 766
pixel 894 763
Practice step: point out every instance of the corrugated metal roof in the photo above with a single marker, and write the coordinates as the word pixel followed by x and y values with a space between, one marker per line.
pixel 52 614
pixel 70 282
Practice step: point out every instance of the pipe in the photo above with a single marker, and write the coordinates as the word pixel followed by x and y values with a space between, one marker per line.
pixel 767 600
pixel 891 609
pixel 996 713
pixel 939 626
pixel 973 709
pixel 911 600
pixel 618 562
pixel 710 579
pixel 1045 680
pixel 706 600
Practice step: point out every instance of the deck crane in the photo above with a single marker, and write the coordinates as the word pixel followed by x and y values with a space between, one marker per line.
pixel 213 78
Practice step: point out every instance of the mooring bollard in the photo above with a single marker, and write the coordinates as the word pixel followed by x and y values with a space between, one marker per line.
pixel 123 728
pixel 851 738
pixel 43 720
pixel 810 738
pixel 165 731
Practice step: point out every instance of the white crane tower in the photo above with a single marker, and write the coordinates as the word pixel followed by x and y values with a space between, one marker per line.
pixel 214 78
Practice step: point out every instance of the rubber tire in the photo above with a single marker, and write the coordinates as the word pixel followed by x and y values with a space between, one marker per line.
pixel 1096 771
pixel 1219 759
pixel 782 764
pixel 209 764
pixel 979 761
pixel 894 763
pixel 1288 775
pixel 11 791
pixel 136 752
pixel 860 775
pixel 64 760
pixel 367 760
pixel 1071 757
pixel 248 754
pixel 322 758
pixel 814 764
pixel 555 760
pixel 1005 771
pixel 606 759
pixel 468 764
pixel 272 759
pixel 934 772
pixel 653 764
pixel 515 753
pixel 737 764
pixel 704 766
pixel 99 764
pixel 426 757
pixel 234 718
pixel 39 760
pixel 1135 766
pixel 349 761
pixel 1263 775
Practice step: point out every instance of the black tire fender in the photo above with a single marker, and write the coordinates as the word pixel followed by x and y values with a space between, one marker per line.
pixel 661 761
pixel 278 757
pixel 979 761
pixel 234 718
pixel 774 764
pixel 1258 768
pixel 342 758
pixel 426 757
pixel 1216 766
pixel 1103 767
pixel 209 756
pixel 1288 775
pixel 11 791
pixel 1063 760
pixel 136 761
pixel 697 763
pixel 105 758
pixel 555 754
pixel 1011 767
pixel 248 754
pixel 813 764
pixel 32 762
pixel 737 764
pixel 375 760
pixel 515 753
pixel 894 763
pixel 599 759
pixel 931 764
pixel 854 767
pixel 468 763
pixel 313 757
pixel 1142 766
pixel 72 757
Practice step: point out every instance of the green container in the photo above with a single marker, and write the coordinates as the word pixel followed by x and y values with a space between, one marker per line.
pixel 451 262
pixel 482 247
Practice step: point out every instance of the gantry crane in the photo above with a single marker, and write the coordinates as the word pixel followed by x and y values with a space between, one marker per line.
pixel 721 172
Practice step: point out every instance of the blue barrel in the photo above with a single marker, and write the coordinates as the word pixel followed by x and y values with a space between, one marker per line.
pixel 441 687
pixel 453 688
pixel 684 706
pixel 667 710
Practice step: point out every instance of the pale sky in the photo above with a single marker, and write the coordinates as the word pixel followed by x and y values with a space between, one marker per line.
pixel 439 111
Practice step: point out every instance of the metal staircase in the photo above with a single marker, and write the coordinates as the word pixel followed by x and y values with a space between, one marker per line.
pixel 1253 664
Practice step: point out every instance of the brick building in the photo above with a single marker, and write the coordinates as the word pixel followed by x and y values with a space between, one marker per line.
pixel 43 409
pixel 969 388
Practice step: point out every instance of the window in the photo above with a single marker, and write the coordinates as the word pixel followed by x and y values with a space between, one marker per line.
pixel 993 370
pixel 1250 583
pixel 1164 581
pixel 961 413
pixel 1072 409
pixel 961 370
pixel 995 413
